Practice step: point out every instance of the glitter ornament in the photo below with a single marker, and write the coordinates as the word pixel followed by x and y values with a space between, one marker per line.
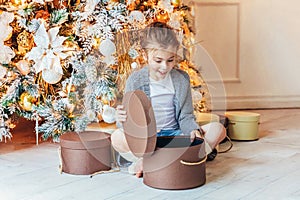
pixel 50 76
pixel 26 101
pixel 107 47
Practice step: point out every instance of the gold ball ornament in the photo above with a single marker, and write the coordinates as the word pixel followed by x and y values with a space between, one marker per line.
pixel 23 67
pixel 16 2
pixel 176 3
pixel 162 16
pixel 24 39
pixel 25 42
pixel 26 101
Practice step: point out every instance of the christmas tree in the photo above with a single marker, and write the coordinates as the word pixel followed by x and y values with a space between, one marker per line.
pixel 65 62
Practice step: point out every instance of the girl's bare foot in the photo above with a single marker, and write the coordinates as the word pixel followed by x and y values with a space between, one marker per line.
pixel 136 168
pixel 139 168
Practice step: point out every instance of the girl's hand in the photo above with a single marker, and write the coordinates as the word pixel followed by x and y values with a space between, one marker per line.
pixel 197 133
pixel 121 114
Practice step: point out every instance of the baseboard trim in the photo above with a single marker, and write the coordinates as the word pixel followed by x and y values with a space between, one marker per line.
pixel 261 102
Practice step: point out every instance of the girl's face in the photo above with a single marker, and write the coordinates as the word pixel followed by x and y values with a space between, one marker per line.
pixel 161 62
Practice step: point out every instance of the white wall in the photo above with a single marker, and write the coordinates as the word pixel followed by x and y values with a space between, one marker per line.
pixel 256 47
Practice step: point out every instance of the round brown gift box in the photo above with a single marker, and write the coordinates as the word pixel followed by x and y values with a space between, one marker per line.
pixel 176 164
pixel 168 162
pixel 86 152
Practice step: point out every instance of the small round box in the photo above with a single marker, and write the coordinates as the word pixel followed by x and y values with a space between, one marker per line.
pixel 205 118
pixel 243 125
pixel 86 152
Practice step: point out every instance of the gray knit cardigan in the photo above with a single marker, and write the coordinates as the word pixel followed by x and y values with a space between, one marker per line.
pixel 139 80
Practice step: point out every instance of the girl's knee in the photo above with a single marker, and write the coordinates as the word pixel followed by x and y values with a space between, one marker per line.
pixel 220 130
pixel 118 141
pixel 214 133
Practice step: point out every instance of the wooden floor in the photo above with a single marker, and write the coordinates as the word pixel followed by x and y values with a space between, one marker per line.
pixel 265 169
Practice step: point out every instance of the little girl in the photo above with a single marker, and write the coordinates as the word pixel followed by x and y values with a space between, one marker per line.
pixel 170 94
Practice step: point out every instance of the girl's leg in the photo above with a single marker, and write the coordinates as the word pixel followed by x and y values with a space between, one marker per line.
pixel 214 133
pixel 118 141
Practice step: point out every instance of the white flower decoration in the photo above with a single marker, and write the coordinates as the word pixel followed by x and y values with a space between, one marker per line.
pixel 6 53
pixel 48 51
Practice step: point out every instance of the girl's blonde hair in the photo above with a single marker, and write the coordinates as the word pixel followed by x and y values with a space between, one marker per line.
pixel 159 35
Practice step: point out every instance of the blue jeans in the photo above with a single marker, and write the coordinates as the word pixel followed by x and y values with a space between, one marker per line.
pixel 169 132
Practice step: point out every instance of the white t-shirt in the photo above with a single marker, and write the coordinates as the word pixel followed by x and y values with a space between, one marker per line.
pixel 162 94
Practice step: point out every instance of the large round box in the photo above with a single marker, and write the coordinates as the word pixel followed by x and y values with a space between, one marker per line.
pixel 243 125
pixel 86 152
pixel 205 118
pixel 168 162
pixel 176 164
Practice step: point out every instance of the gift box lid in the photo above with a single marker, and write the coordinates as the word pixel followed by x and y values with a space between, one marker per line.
pixel 84 140
pixel 242 116
pixel 140 126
